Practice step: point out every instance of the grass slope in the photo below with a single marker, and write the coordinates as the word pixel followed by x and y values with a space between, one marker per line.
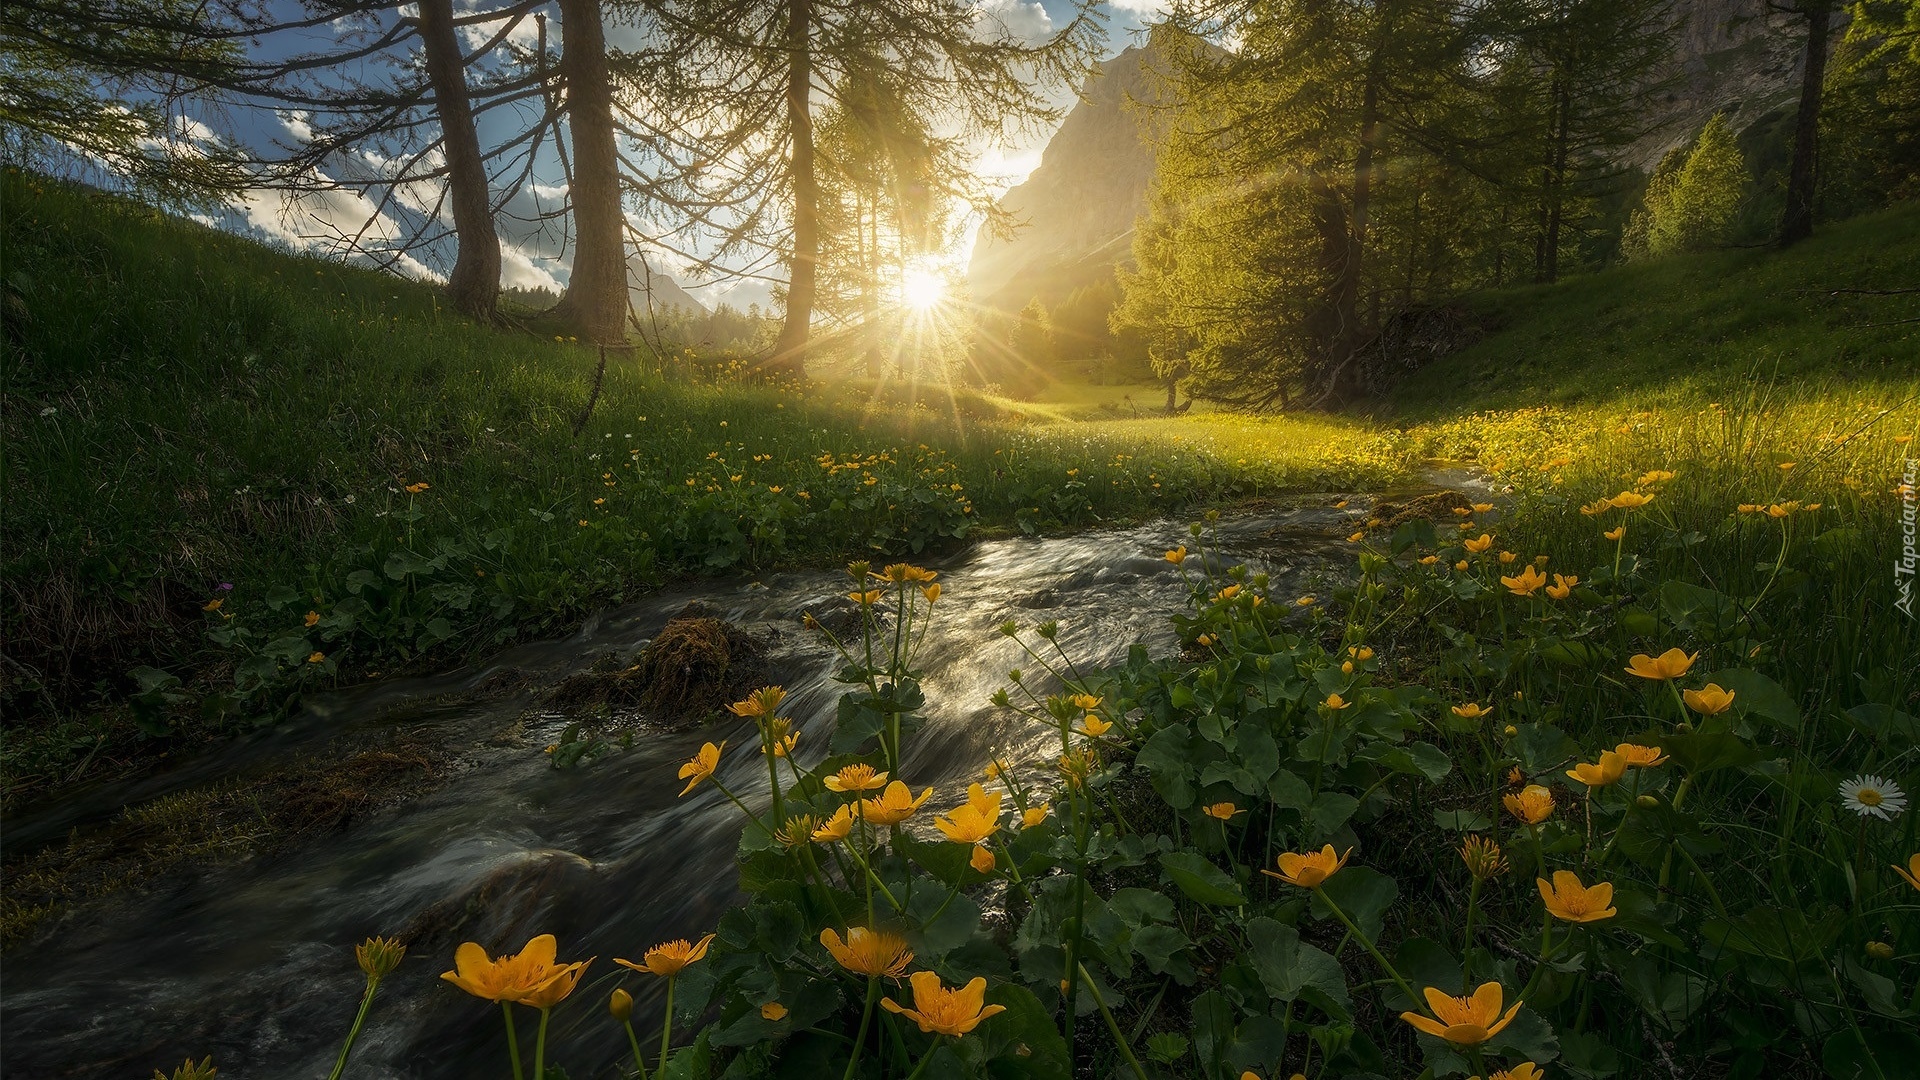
pixel 1689 330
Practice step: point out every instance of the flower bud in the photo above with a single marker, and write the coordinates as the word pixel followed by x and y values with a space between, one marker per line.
pixel 1879 950
pixel 621 1006
pixel 1646 802
pixel 1510 731
pixel 1047 629
pixel 1683 727
pixel 378 956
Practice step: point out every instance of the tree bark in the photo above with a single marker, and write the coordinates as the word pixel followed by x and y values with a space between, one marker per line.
pixel 1553 210
pixel 596 301
pixel 790 348
pixel 474 285
pixel 1796 224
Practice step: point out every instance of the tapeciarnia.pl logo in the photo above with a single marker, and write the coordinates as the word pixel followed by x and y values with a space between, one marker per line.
pixel 1904 566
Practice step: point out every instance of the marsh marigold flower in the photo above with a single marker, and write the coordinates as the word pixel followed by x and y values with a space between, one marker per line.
pixel 1177 555
pixel 1562 586
pixel 931 592
pixel 529 976
pixel 1710 700
pixel 620 1006
pixel 1668 665
pixel 970 822
pixel 1034 815
pixel 1483 857
pixel 797 831
pixel 1336 702
pixel 1084 702
pixel 1570 901
pixel 378 956
pixel 761 703
pixel 1479 546
pixel 1471 711
pixel 1464 1021
pixel 1222 811
pixel 855 778
pixel 941 1011
pixel 837 827
pixel 866 598
pixel 312 619
pixel 1596 508
pixel 670 958
pixel 1308 870
pixel 1526 1070
pixel 894 805
pixel 1532 804
pixel 1078 764
pixel 1615 533
pixel 1094 727
pixel 701 766
pixel 415 489
pixel 1912 871
pixel 1610 768
pixel 1640 756
pixel 873 953
pixel 982 859
pixel 1630 500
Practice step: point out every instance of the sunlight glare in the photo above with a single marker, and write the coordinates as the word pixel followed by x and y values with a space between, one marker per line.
pixel 921 289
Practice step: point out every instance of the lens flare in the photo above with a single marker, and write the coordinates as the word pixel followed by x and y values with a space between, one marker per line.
pixel 921 290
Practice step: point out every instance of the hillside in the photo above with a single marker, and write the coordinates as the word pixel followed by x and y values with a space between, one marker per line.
pixel 1688 330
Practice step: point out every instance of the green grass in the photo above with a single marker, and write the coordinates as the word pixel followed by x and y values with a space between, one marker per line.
pixel 1690 330
pixel 186 409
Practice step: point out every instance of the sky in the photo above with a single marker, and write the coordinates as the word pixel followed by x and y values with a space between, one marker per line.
pixel 532 256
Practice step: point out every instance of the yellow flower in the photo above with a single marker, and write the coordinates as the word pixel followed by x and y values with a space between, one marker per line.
pixel 1342 504
pixel 205 1070
pixel 1654 476
pixel 1612 766
pixel 1356 537
pixel 773 1011
pixel 1912 871
pixel 1526 1070
pixel 1177 555
pixel 982 859
pixel 895 805
pixel 530 976
pixel 873 953
pixel 865 599
pixel 1668 665
pixel 971 822
pixel 1429 560
pixel 1532 804
pixel 1464 1021
pixel 931 592
pixel 316 657
pixel 900 573
pixel 620 1006
pixel 1481 545
pixel 378 956
pixel 701 766
pixel 1526 583
pixel 1640 756
pixel 1095 727
pixel 415 489
pixel 1084 702
pixel 1307 601
pixel 797 831
pixel 852 778
pixel 1570 901
pixel 1562 586
pixel 780 740
pixel 1222 811
pixel 1227 593
pixel 939 1010
pixel 1336 702
pixel 1507 556
pixel 837 827
pixel 1483 857
pixel 1461 565
pixel 1597 507
pixel 1360 653
pixel 1708 701
pixel 762 702
pixel 1471 711
pixel 668 959
pixel 1034 815
pixel 1309 870
pixel 1077 765
pixel 1630 500
pixel 312 619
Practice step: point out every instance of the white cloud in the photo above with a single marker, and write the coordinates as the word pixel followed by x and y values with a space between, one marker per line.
pixel 519 270
pixel 327 221
pixel 1025 20
pixel 1141 7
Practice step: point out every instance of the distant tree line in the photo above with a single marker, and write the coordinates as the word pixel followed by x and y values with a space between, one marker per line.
pixel 1352 161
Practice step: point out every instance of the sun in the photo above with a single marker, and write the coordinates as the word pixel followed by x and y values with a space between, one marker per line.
pixel 921 290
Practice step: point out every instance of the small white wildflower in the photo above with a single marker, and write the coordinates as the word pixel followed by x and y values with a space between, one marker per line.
pixel 1873 796
pixel 48 411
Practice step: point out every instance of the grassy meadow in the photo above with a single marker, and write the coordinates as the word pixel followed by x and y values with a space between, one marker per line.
pixel 1597 777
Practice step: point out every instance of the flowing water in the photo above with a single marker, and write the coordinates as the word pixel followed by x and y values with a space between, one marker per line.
pixel 252 963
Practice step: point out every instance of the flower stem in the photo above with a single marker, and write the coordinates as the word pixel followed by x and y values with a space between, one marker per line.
pixel 922 1067
pixel 1112 1024
pixel 666 1026
pixel 633 1040
pixel 540 1047
pixel 1392 972
pixel 366 1002
pixel 866 1020
pixel 513 1041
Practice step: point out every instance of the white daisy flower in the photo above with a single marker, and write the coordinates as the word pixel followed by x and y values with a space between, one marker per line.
pixel 1873 796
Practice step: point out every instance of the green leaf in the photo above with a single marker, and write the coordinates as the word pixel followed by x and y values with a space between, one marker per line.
pixel 1708 751
pixel 1023 1041
pixel 1362 892
pixel 1290 970
pixel 1462 820
pixel 1202 881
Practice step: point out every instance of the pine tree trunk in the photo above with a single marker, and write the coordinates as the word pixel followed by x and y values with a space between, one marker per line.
pixel 474 285
pixel 1547 264
pixel 790 348
pixel 1796 224
pixel 595 303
